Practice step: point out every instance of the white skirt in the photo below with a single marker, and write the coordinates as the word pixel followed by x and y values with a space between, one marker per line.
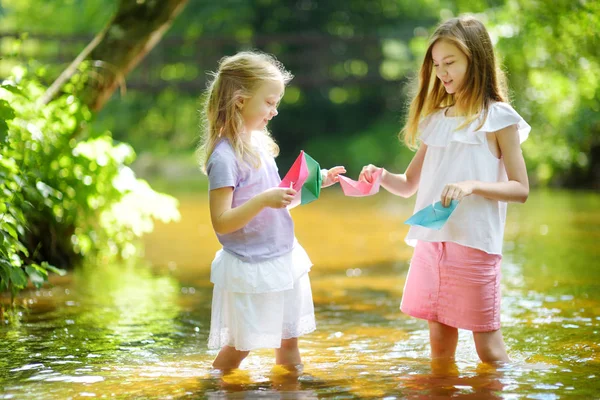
pixel 256 305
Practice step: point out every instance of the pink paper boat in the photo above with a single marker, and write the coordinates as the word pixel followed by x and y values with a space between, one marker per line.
pixel 359 188
pixel 295 178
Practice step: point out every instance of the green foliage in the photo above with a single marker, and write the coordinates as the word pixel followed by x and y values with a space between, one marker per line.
pixel 66 192
pixel 550 51
pixel 363 60
pixel 13 273
pixel 64 16
pixel 352 62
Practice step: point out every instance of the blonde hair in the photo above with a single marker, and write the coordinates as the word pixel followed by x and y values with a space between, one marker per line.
pixel 484 81
pixel 238 77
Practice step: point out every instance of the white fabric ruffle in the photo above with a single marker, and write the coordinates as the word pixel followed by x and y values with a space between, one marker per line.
pixel 234 275
pixel 434 128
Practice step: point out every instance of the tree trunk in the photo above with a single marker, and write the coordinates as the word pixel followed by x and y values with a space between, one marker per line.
pixel 136 28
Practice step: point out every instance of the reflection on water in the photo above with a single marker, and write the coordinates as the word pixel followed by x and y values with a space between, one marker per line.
pixel 129 331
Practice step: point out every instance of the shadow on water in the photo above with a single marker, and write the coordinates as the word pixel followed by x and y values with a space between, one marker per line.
pixel 139 331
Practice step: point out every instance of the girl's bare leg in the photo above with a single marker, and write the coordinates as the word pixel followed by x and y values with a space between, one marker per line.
pixel 288 353
pixel 490 346
pixel 443 340
pixel 229 358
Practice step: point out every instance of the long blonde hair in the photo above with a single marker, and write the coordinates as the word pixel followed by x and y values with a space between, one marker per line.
pixel 238 77
pixel 484 81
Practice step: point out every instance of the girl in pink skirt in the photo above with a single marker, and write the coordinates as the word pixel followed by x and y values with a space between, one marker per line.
pixel 468 140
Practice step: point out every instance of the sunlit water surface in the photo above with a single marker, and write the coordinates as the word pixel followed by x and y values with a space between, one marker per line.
pixel 140 331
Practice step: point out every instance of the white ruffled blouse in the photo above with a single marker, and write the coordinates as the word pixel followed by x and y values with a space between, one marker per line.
pixel 456 155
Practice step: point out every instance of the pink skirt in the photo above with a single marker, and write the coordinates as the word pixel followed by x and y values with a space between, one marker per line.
pixel 456 285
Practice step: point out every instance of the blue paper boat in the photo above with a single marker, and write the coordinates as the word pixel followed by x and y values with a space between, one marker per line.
pixel 433 216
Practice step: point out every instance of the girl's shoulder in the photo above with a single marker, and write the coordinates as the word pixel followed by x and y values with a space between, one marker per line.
pixel 222 153
pixel 438 129
pixel 223 148
pixel 499 116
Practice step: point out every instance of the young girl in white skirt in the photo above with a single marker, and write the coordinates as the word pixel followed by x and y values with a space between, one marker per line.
pixel 262 296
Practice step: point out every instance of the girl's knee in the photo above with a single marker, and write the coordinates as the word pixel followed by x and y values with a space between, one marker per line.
pixel 437 336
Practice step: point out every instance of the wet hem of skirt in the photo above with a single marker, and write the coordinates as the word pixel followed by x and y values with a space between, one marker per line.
pixel 215 344
pixel 453 324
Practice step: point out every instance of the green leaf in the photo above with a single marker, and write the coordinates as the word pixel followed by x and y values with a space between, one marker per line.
pixel 14 90
pixel 6 111
pixel 3 278
pixel 37 275
pixel 18 277
pixel 20 247
pixel 52 268
pixel 9 164
pixel 11 231
pixel 3 130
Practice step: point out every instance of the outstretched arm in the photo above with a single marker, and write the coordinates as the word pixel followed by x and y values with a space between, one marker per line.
pixel 517 187
pixel 226 219
pixel 405 184
pixel 331 176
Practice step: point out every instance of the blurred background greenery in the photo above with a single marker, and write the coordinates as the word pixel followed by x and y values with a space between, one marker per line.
pixel 70 169
pixel 354 63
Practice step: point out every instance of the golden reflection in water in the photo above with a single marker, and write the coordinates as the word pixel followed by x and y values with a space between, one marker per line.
pixel 363 347
pixel 445 381
pixel 344 237
pixel 123 297
pixel 338 233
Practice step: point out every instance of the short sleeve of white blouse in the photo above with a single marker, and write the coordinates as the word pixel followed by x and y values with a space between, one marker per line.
pixel 455 155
